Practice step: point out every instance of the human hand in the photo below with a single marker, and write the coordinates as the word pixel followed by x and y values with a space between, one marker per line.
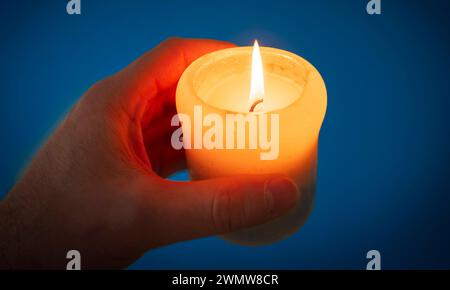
pixel 98 184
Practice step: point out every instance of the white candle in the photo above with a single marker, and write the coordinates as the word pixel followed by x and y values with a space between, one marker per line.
pixel 293 91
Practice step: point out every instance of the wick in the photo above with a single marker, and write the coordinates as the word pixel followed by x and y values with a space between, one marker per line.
pixel 252 109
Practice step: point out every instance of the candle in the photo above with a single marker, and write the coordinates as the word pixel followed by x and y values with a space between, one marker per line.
pixel 280 97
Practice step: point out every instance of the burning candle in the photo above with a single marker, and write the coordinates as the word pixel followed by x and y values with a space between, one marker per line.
pixel 255 111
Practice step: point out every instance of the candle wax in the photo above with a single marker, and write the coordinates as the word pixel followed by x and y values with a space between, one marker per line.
pixel 219 82
pixel 231 93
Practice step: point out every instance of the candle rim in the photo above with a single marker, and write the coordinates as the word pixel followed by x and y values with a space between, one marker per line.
pixel 311 73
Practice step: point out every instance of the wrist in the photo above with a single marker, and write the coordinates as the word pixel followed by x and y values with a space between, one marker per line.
pixel 14 230
pixel 7 233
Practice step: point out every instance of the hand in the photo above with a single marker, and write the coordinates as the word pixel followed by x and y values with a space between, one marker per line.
pixel 97 185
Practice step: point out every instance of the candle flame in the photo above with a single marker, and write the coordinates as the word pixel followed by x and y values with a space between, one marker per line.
pixel 257 80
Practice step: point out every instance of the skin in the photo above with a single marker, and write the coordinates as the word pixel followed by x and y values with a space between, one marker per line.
pixel 98 185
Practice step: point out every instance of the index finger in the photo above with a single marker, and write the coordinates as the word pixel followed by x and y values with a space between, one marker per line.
pixel 160 69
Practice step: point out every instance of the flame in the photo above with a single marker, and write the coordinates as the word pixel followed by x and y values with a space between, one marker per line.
pixel 257 80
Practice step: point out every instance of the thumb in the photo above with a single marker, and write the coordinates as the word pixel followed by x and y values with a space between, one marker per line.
pixel 216 206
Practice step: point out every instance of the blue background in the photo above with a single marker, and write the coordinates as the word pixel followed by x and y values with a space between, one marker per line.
pixel 384 161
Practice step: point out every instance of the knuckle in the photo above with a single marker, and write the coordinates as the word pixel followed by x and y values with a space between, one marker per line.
pixel 95 91
pixel 102 84
pixel 228 212
pixel 96 99
pixel 172 41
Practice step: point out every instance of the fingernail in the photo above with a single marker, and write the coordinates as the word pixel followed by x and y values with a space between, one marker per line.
pixel 282 193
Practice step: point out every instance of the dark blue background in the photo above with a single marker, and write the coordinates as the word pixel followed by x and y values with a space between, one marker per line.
pixel 384 150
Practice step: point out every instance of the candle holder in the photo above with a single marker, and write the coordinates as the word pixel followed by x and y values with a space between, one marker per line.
pixel 219 82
